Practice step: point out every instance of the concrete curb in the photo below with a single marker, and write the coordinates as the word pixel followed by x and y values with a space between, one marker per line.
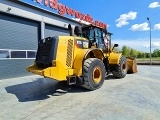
pixel 148 63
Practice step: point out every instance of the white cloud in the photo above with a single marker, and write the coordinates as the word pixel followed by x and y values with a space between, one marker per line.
pixel 124 18
pixel 146 45
pixel 143 27
pixel 140 27
pixel 157 26
pixel 154 5
pixel 156 44
pixel 153 45
pixel 140 44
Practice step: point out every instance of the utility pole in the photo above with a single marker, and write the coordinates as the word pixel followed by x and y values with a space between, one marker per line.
pixel 150 40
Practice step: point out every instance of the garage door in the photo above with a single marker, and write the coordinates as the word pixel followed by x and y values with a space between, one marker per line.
pixel 51 30
pixel 18 42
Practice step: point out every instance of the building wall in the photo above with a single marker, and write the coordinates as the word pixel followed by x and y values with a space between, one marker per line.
pixel 21 26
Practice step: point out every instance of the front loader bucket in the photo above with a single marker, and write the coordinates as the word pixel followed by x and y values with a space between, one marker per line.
pixel 132 64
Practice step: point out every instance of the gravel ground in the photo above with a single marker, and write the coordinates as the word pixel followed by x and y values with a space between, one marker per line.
pixel 135 97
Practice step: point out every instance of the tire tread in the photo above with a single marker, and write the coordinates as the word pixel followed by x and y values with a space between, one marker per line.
pixel 87 64
pixel 118 73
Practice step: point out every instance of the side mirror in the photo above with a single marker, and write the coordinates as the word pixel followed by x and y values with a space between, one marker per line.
pixel 115 45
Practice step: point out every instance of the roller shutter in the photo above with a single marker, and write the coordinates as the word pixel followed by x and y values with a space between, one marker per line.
pixel 20 34
pixel 51 30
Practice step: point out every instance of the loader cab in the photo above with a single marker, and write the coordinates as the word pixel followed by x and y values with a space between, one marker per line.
pixel 98 37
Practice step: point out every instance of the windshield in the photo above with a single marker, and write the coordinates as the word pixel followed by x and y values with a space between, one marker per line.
pixel 93 34
pixel 88 33
pixel 98 35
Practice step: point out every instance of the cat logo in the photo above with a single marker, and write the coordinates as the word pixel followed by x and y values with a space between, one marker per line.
pixel 85 44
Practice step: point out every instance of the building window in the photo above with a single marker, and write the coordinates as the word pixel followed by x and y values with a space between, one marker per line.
pixel 18 54
pixel 4 54
pixel 31 54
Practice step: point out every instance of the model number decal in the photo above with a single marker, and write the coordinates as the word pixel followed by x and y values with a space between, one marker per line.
pixel 79 42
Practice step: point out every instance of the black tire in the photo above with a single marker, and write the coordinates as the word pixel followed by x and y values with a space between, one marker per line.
pixel 93 73
pixel 121 69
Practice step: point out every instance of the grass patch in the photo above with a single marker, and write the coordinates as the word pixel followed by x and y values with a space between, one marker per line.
pixel 147 59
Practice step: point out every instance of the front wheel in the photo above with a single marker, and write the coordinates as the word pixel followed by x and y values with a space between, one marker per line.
pixel 121 69
pixel 93 73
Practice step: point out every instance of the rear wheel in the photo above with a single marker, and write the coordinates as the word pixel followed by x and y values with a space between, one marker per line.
pixel 121 69
pixel 93 73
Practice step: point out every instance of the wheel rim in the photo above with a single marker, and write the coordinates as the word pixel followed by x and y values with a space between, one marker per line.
pixel 124 66
pixel 97 74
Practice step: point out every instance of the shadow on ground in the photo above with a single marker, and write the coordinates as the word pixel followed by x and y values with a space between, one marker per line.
pixel 41 89
pixel 110 77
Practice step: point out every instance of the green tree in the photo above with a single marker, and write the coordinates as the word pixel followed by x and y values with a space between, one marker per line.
pixel 133 52
pixel 124 50
pixel 156 53
pixel 159 53
pixel 147 55
pixel 140 55
pixel 128 51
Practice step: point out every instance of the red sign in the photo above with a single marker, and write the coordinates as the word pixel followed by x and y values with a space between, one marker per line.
pixel 63 10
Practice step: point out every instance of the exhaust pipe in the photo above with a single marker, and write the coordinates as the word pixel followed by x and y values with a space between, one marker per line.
pixel 70 30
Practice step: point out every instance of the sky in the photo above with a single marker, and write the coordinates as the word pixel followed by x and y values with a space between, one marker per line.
pixel 127 20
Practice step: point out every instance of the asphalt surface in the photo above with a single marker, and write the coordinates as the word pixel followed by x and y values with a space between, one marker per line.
pixel 135 97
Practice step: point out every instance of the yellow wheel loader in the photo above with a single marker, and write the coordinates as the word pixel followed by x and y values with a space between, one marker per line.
pixel 84 58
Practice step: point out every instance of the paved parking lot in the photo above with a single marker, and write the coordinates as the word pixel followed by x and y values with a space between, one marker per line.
pixel 136 97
